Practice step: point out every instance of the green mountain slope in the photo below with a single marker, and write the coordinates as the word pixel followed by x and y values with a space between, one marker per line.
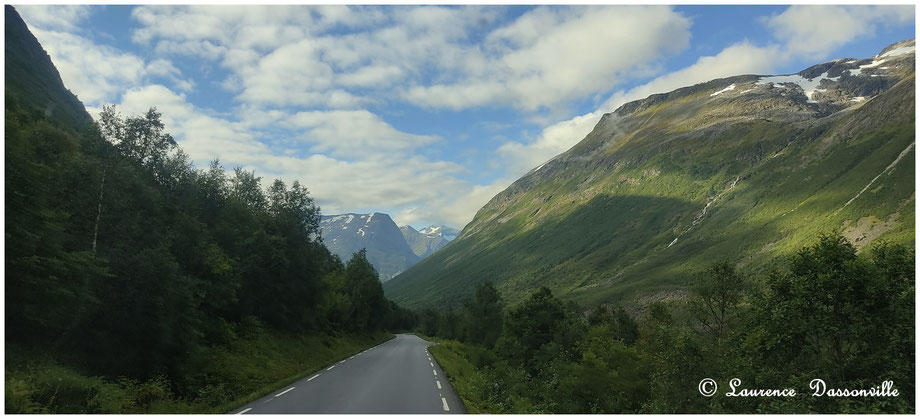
pixel 32 79
pixel 746 169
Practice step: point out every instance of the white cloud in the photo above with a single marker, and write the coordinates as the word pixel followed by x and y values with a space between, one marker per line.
pixel 370 76
pixel 424 55
pixel 815 31
pixel 285 56
pixel 519 158
pixel 96 73
pixel 353 133
pixel 552 55
pixel 54 17
pixel 290 75
pixel 461 210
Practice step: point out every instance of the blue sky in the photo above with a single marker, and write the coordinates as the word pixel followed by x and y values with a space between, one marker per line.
pixel 424 113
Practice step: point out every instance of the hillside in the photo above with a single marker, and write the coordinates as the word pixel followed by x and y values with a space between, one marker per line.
pixel 386 248
pixel 32 79
pixel 745 169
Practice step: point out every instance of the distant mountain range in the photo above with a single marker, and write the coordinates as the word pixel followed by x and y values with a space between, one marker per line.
pixel 390 249
pixel 746 169
pixel 429 239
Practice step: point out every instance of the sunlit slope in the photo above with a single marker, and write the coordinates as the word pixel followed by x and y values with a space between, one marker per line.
pixel 746 169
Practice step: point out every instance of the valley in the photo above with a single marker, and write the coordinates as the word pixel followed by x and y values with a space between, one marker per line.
pixel 667 184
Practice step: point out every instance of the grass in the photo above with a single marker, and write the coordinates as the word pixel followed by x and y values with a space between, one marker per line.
pixel 453 358
pixel 228 376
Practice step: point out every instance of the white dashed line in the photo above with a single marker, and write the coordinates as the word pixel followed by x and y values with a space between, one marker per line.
pixel 446 408
pixel 439 383
pixel 285 391
pixel 431 364
pixel 327 369
pixel 311 378
pixel 342 361
pixel 245 410
pixel 435 372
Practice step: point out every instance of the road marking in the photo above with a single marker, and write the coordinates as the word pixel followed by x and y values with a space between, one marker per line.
pixel 351 357
pixel 285 391
pixel 327 369
pixel 245 410
pixel 342 361
pixel 431 364
pixel 439 383
pixel 311 378
pixel 446 408
pixel 435 372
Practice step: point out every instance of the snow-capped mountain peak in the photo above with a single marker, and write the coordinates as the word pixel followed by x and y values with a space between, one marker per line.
pixel 448 233
pixel 376 232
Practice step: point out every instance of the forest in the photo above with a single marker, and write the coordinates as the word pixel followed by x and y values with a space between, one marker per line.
pixel 129 272
pixel 827 312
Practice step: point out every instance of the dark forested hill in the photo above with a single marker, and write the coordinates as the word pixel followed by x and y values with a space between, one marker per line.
pixel 32 78
pixel 745 169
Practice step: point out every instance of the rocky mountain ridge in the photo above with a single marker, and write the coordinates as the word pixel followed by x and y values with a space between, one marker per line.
pixel 743 168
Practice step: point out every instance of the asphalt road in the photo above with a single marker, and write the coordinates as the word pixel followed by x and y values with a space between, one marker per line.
pixel 397 376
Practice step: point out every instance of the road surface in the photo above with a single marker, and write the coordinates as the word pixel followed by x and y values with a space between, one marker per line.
pixel 397 376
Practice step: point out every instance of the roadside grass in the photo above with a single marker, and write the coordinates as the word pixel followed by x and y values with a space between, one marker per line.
pixel 453 357
pixel 227 376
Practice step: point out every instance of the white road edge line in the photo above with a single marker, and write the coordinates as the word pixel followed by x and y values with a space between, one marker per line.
pixel 439 383
pixel 285 391
pixel 327 369
pixel 342 361
pixel 435 372
pixel 244 410
pixel 311 378
pixel 446 408
pixel 431 364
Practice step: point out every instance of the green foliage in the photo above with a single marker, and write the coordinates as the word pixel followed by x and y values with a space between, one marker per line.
pixel 824 313
pixel 717 292
pixel 484 308
pixel 126 266
pixel 231 375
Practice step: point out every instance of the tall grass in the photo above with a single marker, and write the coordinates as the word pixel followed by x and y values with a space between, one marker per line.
pixel 226 377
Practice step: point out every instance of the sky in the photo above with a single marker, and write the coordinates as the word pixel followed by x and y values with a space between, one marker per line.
pixel 424 113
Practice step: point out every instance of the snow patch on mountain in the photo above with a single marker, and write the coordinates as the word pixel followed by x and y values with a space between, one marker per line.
pixel 908 49
pixel 857 71
pixel 730 87
pixel 809 86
